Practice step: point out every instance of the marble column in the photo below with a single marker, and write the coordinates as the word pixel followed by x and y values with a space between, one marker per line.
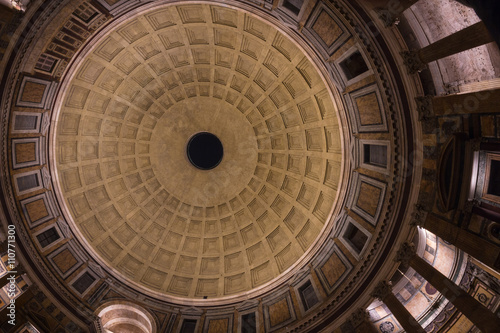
pixel 465 39
pixel 470 243
pixel 477 313
pixel 383 291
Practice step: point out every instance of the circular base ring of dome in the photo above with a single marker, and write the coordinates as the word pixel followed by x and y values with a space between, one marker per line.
pixel 180 229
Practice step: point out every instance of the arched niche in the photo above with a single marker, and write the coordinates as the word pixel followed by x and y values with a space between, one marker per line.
pixel 117 317
pixel 450 171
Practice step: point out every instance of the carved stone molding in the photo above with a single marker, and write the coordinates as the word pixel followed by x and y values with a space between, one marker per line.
pixel 248 304
pixel 110 281
pixel 413 62
pixel 46 177
pixel 96 268
pixel 192 311
pixel 97 326
pixel 63 225
pixel 382 290
pixel 45 123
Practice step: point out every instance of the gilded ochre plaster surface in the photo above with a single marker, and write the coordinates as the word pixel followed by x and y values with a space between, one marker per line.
pixel 127 114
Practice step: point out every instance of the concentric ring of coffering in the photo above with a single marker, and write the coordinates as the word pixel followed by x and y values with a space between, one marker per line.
pixel 205 151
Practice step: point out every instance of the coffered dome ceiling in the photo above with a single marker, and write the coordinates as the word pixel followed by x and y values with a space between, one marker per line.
pixel 149 84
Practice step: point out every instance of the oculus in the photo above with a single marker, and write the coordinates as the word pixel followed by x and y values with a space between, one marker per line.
pixel 204 151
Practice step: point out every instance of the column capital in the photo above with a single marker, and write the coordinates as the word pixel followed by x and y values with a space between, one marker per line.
pixel 387 16
pixel 413 62
pixel 405 253
pixel 382 290
pixel 419 216
pixel 451 89
pixel 358 317
pixel 424 107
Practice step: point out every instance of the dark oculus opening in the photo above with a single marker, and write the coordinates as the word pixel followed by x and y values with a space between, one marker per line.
pixel 204 151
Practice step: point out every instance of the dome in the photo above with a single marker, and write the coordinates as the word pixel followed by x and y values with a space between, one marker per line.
pixel 136 98
pixel 220 166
